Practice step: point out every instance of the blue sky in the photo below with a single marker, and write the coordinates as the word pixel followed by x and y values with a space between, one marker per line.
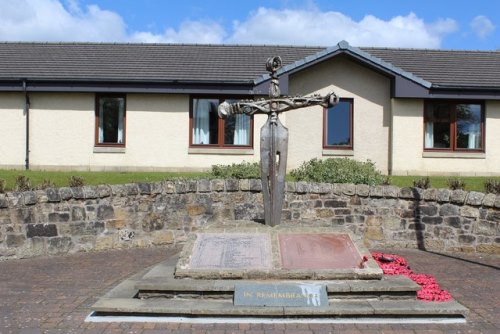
pixel 388 23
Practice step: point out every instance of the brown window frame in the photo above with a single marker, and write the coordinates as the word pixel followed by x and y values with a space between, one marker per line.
pixel 97 99
pixel 220 125
pixel 351 127
pixel 453 126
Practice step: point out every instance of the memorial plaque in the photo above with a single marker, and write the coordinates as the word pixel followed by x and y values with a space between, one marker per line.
pixel 232 251
pixel 280 294
pixel 318 251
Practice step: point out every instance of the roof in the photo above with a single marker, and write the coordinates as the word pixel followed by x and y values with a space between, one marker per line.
pixel 228 64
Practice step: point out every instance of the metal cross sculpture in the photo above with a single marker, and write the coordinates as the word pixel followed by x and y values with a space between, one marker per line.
pixel 274 136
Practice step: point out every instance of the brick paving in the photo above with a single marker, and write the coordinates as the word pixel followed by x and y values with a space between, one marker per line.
pixel 54 295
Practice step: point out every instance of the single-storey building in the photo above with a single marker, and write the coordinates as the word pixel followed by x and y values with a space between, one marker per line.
pixel 92 106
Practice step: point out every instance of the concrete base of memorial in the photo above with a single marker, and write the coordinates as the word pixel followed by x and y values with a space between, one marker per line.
pixel 254 271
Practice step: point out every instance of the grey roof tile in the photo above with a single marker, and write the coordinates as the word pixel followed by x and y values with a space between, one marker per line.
pixel 222 63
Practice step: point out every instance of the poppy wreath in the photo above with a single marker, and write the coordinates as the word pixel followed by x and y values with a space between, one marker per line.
pixel 392 264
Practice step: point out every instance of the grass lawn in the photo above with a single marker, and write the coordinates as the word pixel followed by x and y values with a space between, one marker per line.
pixel 60 179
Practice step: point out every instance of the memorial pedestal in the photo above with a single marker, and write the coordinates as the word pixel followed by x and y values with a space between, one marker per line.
pixel 251 270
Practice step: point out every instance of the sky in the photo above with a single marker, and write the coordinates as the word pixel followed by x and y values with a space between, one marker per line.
pixel 444 24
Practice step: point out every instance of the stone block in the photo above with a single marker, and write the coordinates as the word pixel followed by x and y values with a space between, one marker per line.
pixel 466 239
pixel 4 203
pixel 14 198
pixel 377 191
pixel 468 211
pixel 493 215
pixel 325 188
pixel 105 211
pixel 245 185
pixel 59 245
pixel 119 190
pixel 52 195
pixel 391 191
pixel 337 189
pixel 475 198
pixel 90 192
pixel 156 187
pixel 497 201
pixel 103 191
pixel 232 185
pixel 392 223
pixel 349 189
pixel 484 227
pixel 191 186
pixel 488 248
pixel 204 186
pixel 86 228
pixel 324 213
pixel 449 210
pixel 428 210
pixel 255 185
pixel 453 221
pixel 332 203
pixel 218 185
pixel 29 198
pixel 489 200
pixel 77 192
pixel 104 242
pixel 458 196
pixel 362 190
pixel 65 194
pixel 116 224
pixel 410 193
pixel 58 217
pixel 41 230
pixel 433 244
pixel 374 233
pixel 14 240
pixel 430 194
pixel 443 195
pixel 144 188
pixel 374 221
pixel 301 187
pixel 152 222
pixel 342 212
pixel 432 220
pixel 195 210
pixel 78 213
pixel 169 187
pixel 132 189
pixel 163 238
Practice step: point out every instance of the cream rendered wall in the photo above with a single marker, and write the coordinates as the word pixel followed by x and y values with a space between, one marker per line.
pixel 12 131
pixel 371 94
pixel 62 135
pixel 409 158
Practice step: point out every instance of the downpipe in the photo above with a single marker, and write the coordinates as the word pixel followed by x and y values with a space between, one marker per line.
pixel 27 114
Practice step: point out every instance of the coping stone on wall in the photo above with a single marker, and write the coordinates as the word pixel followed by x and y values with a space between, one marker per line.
pixel 52 195
pixel 104 190
pixel 458 196
pixel 119 190
pixel 65 193
pixel 4 203
pixel 29 197
pixel 489 200
pixel 475 198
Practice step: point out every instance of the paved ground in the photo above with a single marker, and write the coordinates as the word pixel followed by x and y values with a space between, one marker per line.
pixel 54 295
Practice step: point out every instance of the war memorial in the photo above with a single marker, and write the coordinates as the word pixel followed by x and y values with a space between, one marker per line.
pixel 240 269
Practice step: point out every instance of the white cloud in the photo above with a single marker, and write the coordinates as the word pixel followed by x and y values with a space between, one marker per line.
pixel 202 32
pixel 482 26
pixel 50 20
pixel 326 28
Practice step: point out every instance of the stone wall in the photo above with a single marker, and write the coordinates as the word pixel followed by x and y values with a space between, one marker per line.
pixel 68 220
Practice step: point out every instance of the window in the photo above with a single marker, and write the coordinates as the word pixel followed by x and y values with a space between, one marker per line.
pixel 337 132
pixel 207 129
pixel 110 120
pixel 453 126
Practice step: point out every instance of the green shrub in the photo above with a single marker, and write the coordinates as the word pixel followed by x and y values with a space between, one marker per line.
pixel 492 186
pixel 76 181
pixel 2 186
pixel 455 184
pixel 335 170
pixel 23 183
pixel 244 170
pixel 424 183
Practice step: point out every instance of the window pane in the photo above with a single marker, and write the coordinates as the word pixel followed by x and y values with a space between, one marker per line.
pixel 437 126
pixel 469 126
pixel 338 125
pixel 205 121
pixel 237 130
pixel 111 113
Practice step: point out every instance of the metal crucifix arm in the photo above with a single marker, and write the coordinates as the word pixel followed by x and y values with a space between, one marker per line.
pixel 277 105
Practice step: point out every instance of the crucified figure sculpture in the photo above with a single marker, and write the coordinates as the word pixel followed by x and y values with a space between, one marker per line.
pixel 274 136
